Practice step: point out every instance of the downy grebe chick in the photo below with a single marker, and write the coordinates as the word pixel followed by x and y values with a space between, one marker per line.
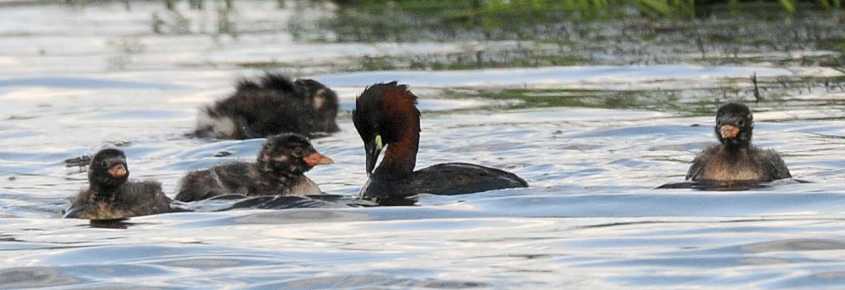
pixel 386 115
pixel 271 106
pixel 278 170
pixel 735 160
pixel 110 196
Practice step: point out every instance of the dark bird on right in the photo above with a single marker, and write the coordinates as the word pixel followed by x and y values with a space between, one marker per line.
pixel 386 115
pixel 734 160
pixel 271 105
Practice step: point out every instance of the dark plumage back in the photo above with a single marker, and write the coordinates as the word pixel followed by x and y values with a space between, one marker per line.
pixel 271 105
pixel 132 199
pixel 276 82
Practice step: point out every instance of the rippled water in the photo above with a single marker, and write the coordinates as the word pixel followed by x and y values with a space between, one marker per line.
pixel 593 142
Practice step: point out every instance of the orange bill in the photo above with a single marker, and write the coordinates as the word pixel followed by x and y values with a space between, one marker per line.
pixel 728 131
pixel 316 158
pixel 117 170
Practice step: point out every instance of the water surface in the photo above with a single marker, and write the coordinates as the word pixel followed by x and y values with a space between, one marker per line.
pixel 593 139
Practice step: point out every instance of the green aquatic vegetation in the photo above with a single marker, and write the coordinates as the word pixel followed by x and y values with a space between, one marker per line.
pixel 264 64
pixel 577 32
pixel 775 94
pixel 622 99
pixel 548 33
pixel 496 13
pixel 470 60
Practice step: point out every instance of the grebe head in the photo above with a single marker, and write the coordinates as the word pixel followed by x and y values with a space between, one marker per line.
pixel 734 125
pixel 386 115
pixel 108 170
pixel 288 154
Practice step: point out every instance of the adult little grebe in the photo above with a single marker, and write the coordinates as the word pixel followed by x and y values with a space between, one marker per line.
pixel 271 106
pixel 279 170
pixel 111 197
pixel 735 160
pixel 386 115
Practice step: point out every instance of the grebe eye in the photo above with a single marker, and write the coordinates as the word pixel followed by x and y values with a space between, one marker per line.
pixel 104 163
pixel 741 123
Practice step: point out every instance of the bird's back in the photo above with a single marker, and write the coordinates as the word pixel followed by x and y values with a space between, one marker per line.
pixel 444 179
pixel 271 106
pixel 716 164
pixel 135 198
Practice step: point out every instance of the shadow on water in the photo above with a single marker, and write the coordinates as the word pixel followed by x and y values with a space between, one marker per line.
pixel 111 224
pixel 728 186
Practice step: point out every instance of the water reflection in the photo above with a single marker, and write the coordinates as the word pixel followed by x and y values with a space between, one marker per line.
pixel 111 224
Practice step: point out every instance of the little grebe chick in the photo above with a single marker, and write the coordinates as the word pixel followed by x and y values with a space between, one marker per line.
pixel 271 106
pixel 278 170
pixel 735 160
pixel 386 115
pixel 110 196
